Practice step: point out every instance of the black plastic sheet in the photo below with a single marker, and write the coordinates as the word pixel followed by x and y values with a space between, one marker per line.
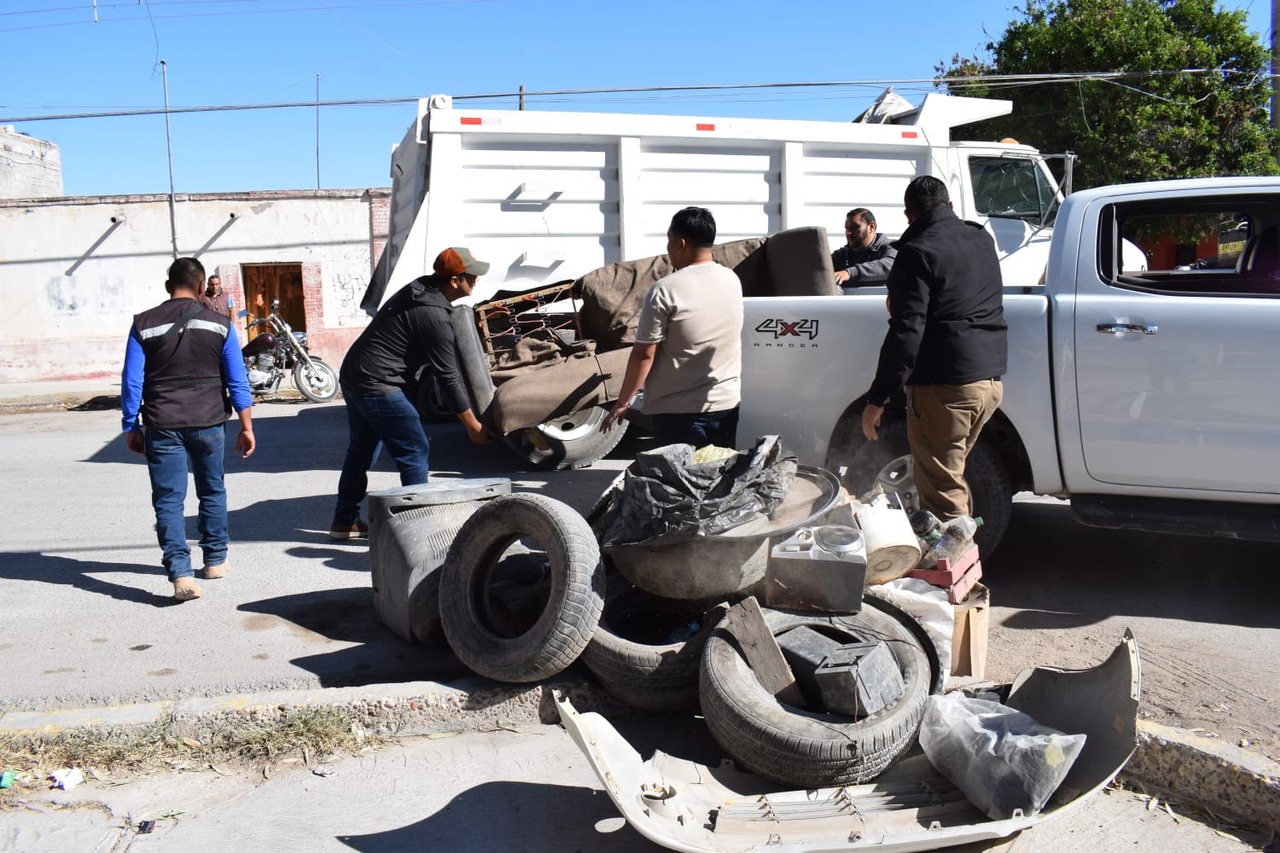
pixel 665 497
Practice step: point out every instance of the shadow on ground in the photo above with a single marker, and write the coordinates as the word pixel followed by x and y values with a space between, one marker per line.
pixel 347 616
pixel 1060 574
pixel 43 568
pixel 530 812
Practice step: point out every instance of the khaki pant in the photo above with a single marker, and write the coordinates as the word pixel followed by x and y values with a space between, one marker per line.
pixel 943 422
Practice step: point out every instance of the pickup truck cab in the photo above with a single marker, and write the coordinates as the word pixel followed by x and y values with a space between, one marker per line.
pixel 1147 391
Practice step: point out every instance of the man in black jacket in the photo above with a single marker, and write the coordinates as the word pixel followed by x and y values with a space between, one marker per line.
pixel 412 330
pixel 947 342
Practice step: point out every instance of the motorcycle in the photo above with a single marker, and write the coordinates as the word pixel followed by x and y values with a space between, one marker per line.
pixel 278 349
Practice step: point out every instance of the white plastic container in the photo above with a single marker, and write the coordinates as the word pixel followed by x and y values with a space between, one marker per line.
pixel 817 568
pixel 892 546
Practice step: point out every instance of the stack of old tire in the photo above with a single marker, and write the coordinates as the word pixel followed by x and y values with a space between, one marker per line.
pixel 525 592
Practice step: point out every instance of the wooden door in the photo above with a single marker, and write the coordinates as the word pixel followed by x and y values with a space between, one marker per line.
pixel 266 282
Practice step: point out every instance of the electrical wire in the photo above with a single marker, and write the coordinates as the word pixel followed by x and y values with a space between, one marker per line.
pixel 223 14
pixel 990 81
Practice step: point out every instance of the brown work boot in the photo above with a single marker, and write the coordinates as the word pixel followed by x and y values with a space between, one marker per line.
pixel 186 589
pixel 214 572
pixel 355 530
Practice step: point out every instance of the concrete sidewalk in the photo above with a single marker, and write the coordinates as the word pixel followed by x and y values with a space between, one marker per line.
pixel 1209 773
pixel 495 781
pixel 69 393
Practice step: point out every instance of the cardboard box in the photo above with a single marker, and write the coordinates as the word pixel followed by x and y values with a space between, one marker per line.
pixel 969 636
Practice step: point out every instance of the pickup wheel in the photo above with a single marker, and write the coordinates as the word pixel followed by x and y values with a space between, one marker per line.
pixel 887 462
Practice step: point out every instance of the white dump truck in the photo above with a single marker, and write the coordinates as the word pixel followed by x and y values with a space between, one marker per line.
pixel 547 196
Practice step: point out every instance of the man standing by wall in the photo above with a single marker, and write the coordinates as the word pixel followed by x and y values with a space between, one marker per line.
pixel 947 342
pixel 414 329
pixel 181 362
pixel 688 349
pixel 866 257
pixel 215 298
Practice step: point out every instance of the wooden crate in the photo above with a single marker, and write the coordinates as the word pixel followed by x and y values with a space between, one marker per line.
pixel 969 635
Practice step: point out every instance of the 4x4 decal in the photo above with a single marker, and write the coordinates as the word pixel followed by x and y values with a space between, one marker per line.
pixel 778 328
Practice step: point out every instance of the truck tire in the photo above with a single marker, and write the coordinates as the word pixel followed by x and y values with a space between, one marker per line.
pixel 317 382
pixel 569 599
pixel 574 441
pixel 887 462
pixel 630 657
pixel 473 362
pixel 804 748
pixel 430 405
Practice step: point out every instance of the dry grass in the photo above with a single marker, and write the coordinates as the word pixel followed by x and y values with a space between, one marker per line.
pixel 309 733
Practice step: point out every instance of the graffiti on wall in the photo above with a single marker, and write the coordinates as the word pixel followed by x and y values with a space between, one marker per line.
pixel 69 295
pixel 350 290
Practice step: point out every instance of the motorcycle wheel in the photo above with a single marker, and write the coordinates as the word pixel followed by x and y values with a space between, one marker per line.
pixel 317 382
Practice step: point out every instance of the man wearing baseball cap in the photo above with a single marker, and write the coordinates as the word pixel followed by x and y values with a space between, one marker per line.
pixel 411 332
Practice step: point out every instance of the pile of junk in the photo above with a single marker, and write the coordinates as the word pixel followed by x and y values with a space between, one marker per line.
pixel 815 633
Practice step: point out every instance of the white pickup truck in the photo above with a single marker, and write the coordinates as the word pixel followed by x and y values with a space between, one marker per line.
pixel 1149 397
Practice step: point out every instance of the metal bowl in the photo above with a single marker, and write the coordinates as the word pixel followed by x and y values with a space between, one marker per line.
pixel 713 567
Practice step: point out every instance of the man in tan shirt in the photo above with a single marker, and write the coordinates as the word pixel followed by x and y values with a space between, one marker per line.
pixel 688 349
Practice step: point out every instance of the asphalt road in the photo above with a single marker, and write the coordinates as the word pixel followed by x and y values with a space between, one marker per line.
pixel 89 618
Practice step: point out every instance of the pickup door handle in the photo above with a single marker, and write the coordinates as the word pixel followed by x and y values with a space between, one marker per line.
pixel 1121 328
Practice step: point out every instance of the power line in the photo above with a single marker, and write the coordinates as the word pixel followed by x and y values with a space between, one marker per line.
pixel 223 14
pixel 995 80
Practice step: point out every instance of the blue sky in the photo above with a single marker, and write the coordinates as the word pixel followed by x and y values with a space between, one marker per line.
pixel 236 52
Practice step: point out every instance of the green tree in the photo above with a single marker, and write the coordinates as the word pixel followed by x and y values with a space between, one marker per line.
pixel 1159 121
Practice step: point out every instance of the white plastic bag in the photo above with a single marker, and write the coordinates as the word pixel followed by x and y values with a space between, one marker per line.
pixel 1001 759
pixel 929 605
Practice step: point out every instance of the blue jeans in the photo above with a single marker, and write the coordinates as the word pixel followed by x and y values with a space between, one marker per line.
pixel 392 420
pixel 698 428
pixel 171 453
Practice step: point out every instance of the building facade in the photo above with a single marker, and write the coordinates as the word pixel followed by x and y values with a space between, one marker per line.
pixel 74 270
pixel 29 167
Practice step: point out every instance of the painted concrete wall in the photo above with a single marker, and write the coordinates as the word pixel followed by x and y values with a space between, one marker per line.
pixel 74 271
pixel 29 167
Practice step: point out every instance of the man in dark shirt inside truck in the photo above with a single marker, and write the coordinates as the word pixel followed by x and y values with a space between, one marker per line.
pixel 867 255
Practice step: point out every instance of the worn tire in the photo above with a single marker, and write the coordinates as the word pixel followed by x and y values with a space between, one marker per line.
pixel 891 454
pixel 571 596
pixel 574 441
pixel 431 407
pixel 803 748
pixel 318 383
pixel 628 658
pixel 473 362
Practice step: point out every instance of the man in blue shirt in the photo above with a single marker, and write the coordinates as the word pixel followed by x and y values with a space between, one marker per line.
pixel 181 363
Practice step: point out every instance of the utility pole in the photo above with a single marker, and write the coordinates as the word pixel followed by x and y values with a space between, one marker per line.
pixel 318 127
pixel 168 145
